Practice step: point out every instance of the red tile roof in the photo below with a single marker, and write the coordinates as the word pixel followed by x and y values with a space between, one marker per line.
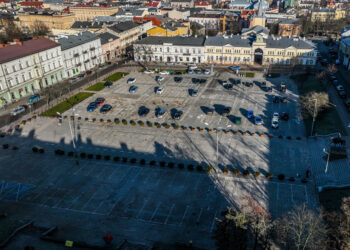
pixel 37 4
pixel 152 4
pixel 201 3
pixel 4 1
pixel 155 21
pixel 13 52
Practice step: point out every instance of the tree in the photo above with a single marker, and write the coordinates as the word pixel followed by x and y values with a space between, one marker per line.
pixel 39 28
pixel 274 29
pixel 301 228
pixel 233 27
pixel 194 29
pixel 11 31
pixel 231 233
pixel 308 103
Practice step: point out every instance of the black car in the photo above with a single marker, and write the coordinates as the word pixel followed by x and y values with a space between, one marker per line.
pixel 177 79
pixel 202 80
pixel 249 84
pixel 285 116
pixel 143 111
pixel 177 73
pixel 226 111
pixel 284 99
pixel 228 86
pixel 195 80
pixel 210 111
pixel 105 108
pixel 177 115
pixel 108 84
pixel 276 99
pixel 232 81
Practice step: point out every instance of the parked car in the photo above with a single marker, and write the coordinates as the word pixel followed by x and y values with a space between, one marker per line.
pixel 108 84
pixel 169 63
pixel 340 88
pixel 207 72
pixel 190 71
pixel 177 73
pixel 99 101
pixel 226 111
pixel 159 78
pixel 250 114
pixel 195 80
pixel 274 123
pixel 89 72
pixel 258 120
pixel 276 115
pixel 148 71
pixel 335 83
pixel 177 115
pixel 228 86
pixel 160 113
pixel 283 87
pixel 105 108
pixel 73 79
pixel 276 99
pixel 133 89
pixel 164 72
pixel 285 116
pixel 342 94
pixel 194 92
pixel 210 111
pixel 18 110
pixel 249 84
pixel 81 76
pixel 198 71
pixel 143 111
pixel 284 99
pixel 177 79
pixel 131 81
pixel 159 90
pixel 91 107
pixel 202 80
pixel 263 85
pixel 33 98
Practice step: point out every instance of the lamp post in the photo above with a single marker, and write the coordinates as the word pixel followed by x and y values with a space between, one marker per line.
pixel 313 117
pixel 328 153
pixel 217 143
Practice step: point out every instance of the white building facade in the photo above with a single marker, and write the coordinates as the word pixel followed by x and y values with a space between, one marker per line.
pixel 80 52
pixel 27 67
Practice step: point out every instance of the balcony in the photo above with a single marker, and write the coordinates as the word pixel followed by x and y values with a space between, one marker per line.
pixel 76 55
pixel 85 51
pixel 92 48
pixel 94 57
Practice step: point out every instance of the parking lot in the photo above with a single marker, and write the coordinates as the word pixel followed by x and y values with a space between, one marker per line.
pixel 176 96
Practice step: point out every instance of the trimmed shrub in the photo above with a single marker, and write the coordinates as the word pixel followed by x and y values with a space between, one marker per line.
pixel 201 130
pixel 225 170
pixel 190 167
pixel 159 126
pixel 167 126
pixel 142 161
pixel 71 153
pixel 41 150
pixel 244 133
pixel 86 119
pixel 93 119
pixel 262 135
pixel 289 137
pixel 292 179
pixel 5 146
pixel 153 163
pixel 14 148
pixel 209 168
pixel 107 157
pixel 181 165
pixel 236 172
pixel 82 155
pixel 235 132
pixel 98 157
pixel 150 124
pixel 125 122
pixel 227 132
pixel 133 123
pixel 116 158
pixel 171 164
pixel 35 149
pixel 252 134
pixel 257 174
pixel 59 152
pixel 125 159
pixel 199 168
pixel 280 137
pixel 162 163
pixel 246 172
pixel 281 177
pixel 141 123
pixel 109 122
pixel 89 156
pixel 298 138
pixel 133 160
pixel 116 121
pixel 210 131
pixel 193 129
pixel 184 128
pixel 176 127
pixel 249 74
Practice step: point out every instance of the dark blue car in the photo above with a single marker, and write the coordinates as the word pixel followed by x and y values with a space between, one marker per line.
pixel 92 106
pixel 108 84
pixel 105 108
pixel 33 98
pixel 250 114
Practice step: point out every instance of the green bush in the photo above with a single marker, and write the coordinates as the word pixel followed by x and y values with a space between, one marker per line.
pixel 209 168
pixel 115 77
pixel 116 158
pixel 116 121
pixel 249 74
pixel 199 168
pixel 125 122
pixel 133 123
pixel 5 146
pixel 153 163
pixel 190 167
pixel 257 174
pixel 236 172
pixel 181 165
pixel 281 177
pixel 149 124
pixel 246 172
pixel 107 157
pixel 269 175
pixel 98 157
pixel 226 170
pixel 142 161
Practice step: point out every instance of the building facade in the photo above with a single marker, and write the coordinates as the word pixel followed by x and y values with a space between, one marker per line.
pixel 88 13
pixel 170 29
pixel 170 49
pixel 27 67
pixel 110 46
pixel 344 52
pixel 210 21
pixel 323 15
pixel 289 28
pixel 81 52
pixel 51 20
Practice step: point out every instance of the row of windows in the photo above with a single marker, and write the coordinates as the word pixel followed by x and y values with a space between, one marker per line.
pixel 228 59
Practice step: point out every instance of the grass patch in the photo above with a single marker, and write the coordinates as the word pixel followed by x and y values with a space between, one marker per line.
pixel 249 74
pixel 326 122
pixel 115 77
pixel 69 103
pixel 331 199
pixel 96 87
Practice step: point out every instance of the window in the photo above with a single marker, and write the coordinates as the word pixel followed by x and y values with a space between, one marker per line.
pixel 14 68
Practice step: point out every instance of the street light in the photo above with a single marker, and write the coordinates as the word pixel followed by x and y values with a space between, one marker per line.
pixel 328 153
pixel 314 116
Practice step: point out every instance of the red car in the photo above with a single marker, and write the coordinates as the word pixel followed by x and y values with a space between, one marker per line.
pixel 99 101
pixel 88 72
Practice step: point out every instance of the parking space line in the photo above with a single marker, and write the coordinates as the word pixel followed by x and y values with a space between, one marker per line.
pixel 292 195
pixel 92 196
pixel 278 190
pixel 171 210
pixel 306 195
pixel 19 186
pixel 199 216
pixel 155 211
pixel 183 217
pixel 213 223
pixel 141 209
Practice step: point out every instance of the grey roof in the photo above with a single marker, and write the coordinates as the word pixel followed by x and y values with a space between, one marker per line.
pixel 107 37
pixel 285 42
pixel 123 26
pixel 54 1
pixel 80 38
pixel 221 40
pixel 88 24
pixel 173 25
pixel 129 12
pixel 181 1
pixel 323 10
pixel 240 2
pixel 256 29
pixel 176 40
pixel 289 21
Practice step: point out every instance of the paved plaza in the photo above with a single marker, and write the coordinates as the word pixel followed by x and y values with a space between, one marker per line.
pixel 145 203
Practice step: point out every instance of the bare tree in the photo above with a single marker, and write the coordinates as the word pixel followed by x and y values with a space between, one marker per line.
pixel 308 103
pixel 301 228
pixel 12 31
pixel 39 28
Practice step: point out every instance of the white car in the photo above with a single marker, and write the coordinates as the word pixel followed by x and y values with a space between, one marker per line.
pixel 18 110
pixel 170 63
pixel 159 90
pixel 159 78
pixel 148 71
pixel 258 120
pixel 207 72
pixel 275 122
pixel 276 115
pixel 131 81
pixel 340 88
pixel 192 67
pixel 164 72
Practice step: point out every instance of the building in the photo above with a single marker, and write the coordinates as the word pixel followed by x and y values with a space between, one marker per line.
pixel 170 29
pixel 227 50
pixel 323 15
pixel 182 3
pixel 85 13
pixel 80 52
pixel 179 14
pixel 255 31
pixel 131 12
pixel 259 19
pixel 211 21
pixel 170 49
pixel 289 28
pixel 110 46
pixel 203 4
pixel 27 67
pixel 53 20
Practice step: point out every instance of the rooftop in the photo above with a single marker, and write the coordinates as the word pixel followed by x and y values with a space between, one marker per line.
pixel 176 40
pixel 107 37
pixel 228 40
pixel 123 26
pixel 80 38
pixel 27 48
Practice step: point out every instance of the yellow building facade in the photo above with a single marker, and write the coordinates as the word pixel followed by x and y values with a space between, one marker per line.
pixel 323 15
pixel 169 32
pixel 88 13
pixel 54 21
